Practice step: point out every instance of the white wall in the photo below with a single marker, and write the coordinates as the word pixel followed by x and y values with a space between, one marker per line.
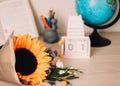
pixel 63 9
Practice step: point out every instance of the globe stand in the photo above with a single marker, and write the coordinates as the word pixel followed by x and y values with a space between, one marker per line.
pixel 97 40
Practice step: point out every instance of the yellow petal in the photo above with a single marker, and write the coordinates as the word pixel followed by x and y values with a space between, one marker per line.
pixel 18 41
pixel 61 55
pixel 61 42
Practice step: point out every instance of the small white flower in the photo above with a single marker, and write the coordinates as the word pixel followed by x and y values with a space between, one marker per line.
pixel 69 72
pixel 71 67
pixel 61 72
pixel 59 64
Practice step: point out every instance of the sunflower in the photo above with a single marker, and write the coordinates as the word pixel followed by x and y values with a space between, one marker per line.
pixel 31 60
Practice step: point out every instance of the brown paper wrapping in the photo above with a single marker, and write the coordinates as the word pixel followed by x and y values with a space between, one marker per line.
pixel 7 65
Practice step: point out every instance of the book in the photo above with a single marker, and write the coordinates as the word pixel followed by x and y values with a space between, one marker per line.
pixel 17 16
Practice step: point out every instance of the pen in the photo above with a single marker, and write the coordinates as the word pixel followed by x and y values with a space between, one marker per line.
pixel 45 22
pixel 49 21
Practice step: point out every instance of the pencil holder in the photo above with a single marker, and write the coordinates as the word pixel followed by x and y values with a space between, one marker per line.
pixel 50 35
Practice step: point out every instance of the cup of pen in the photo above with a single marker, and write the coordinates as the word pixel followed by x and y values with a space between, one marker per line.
pixel 50 35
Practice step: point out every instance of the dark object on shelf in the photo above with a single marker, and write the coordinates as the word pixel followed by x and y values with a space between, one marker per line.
pixel 97 40
pixel 50 35
pixel 1 46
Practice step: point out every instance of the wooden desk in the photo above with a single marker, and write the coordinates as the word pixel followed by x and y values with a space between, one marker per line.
pixel 102 69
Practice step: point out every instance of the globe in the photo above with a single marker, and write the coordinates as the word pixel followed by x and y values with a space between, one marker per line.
pixel 98 14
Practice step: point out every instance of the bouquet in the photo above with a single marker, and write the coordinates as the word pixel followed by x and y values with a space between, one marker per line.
pixel 31 63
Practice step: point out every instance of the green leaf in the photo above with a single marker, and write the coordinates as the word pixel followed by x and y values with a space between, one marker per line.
pixel 72 77
pixel 51 82
pixel 68 74
pixel 51 78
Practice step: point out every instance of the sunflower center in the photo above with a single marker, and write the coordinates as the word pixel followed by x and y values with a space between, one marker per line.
pixel 26 62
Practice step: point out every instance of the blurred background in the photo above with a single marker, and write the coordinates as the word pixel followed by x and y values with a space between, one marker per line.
pixel 63 8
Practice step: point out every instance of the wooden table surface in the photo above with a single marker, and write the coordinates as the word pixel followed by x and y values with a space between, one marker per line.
pixel 103 67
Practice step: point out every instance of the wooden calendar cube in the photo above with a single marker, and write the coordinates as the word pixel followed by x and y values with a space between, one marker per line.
pixel 75 47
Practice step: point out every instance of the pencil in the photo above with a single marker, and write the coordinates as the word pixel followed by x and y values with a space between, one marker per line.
pixel 45 22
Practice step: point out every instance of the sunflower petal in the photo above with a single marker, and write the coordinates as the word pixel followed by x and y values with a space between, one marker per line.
pixel 37 49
